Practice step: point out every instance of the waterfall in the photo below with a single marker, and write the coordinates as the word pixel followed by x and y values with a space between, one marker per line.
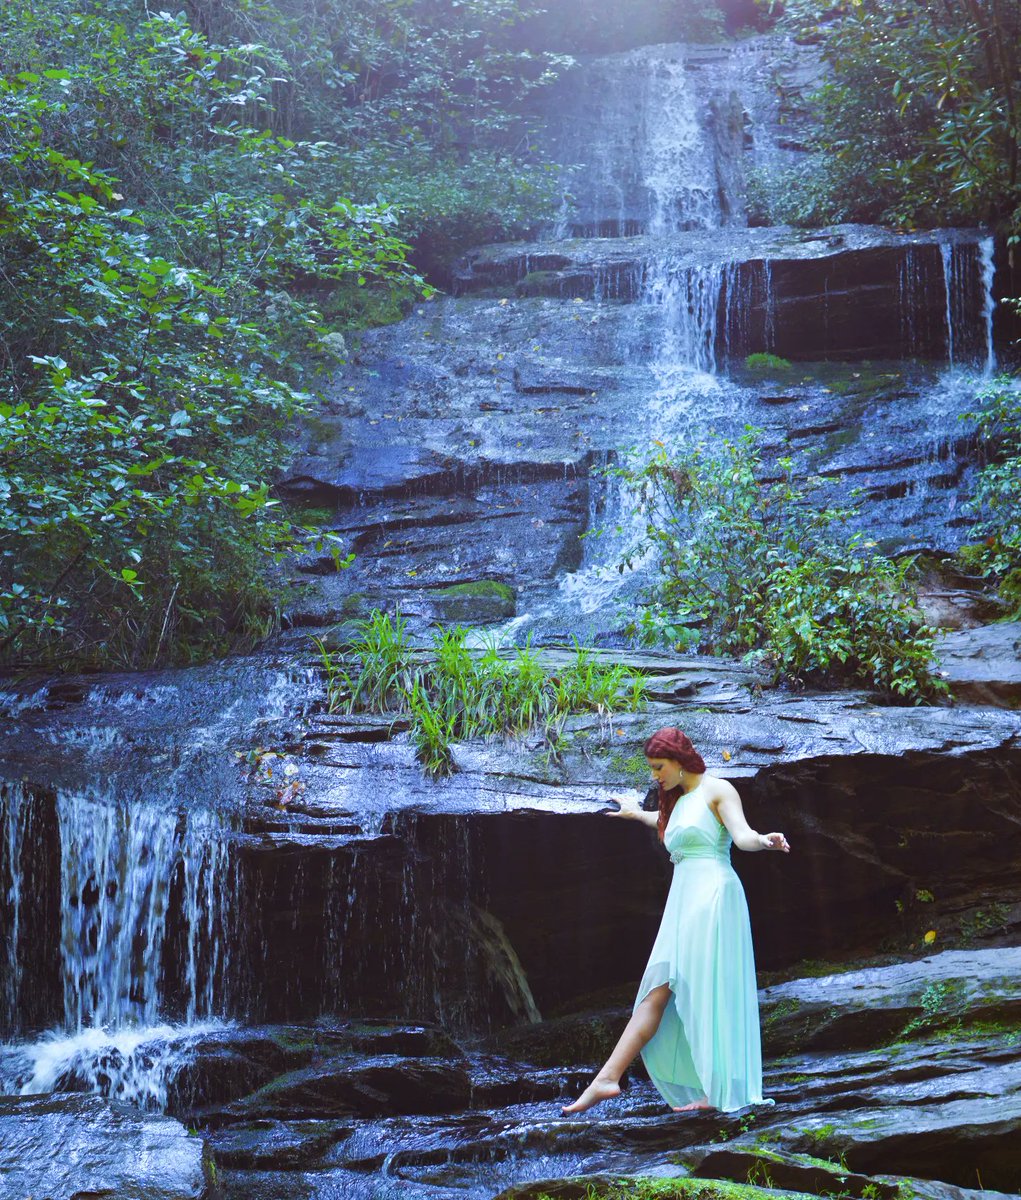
pixel 676 160
pixel 986 273
pixel 949 291
pixel 689 300
pixel 644 153
pixel 616 528
pixel 143 908
pixel 119 866
pixel 16 812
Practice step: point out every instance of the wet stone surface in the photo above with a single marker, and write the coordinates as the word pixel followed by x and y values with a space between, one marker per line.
pixel 63 1145
pixel 938 1098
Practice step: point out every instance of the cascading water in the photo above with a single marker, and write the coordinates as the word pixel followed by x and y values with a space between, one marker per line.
pixel 120 866
pixel 15 820
pixel 947 259
pixel 987 270
pixel 689 299
pixel 677 167
pixel 144 896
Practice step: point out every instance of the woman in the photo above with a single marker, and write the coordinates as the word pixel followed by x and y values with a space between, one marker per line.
pixel 696 1018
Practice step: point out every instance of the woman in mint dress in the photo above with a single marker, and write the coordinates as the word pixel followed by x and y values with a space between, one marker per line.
pixel 696 1018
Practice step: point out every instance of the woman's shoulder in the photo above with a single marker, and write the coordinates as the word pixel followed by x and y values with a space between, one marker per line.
pixel 717 788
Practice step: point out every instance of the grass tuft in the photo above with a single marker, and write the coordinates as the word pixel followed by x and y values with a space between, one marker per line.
pixel 457 692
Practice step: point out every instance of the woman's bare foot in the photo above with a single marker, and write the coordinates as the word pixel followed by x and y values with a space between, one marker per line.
pixel 598 1089
pixel 694 1106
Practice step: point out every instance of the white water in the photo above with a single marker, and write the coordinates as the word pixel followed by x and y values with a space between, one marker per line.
pixel 118 863
pixel 15 818
pixel 136 1065
pixel 947 258
pixel 689 300
pixel 130 876
pixel 986 271
pixel 675 158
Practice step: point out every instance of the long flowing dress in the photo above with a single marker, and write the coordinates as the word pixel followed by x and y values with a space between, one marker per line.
pixel 707 1044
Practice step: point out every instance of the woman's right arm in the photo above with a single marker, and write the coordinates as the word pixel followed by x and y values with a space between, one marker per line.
pixel 631 810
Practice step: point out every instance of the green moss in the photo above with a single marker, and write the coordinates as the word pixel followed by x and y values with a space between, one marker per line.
pixel 538 283
pixel 640 1188
pixel 314 516
pixel 786 1008
pixel 481 587
pixel 294 1043
pixel 632 767
pixel 767 362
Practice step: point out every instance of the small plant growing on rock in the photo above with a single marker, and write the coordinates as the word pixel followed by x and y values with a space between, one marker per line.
pixel 996 501
pixel 767 362
pixel 749 565
pixel 456 691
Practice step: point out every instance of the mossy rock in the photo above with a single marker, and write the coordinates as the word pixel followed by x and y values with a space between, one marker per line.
pixel 586 1038
pixel 801 1172
pixel 603 1187
pixel 481 602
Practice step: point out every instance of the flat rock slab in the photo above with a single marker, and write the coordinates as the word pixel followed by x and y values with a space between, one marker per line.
pixel 865 1008
pixel 54 1147
pixel 983 665
pixel 964 1141
pixel 382 1085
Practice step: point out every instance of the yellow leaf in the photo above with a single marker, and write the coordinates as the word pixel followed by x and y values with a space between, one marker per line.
pixel 930 937
pixel 726 756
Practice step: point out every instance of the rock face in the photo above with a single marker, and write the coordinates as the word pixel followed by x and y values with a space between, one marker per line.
pixel 373 888
pixel 883 1079
pixel 983 666
pixel 844 292
pixel 81 1146
pixel 297 863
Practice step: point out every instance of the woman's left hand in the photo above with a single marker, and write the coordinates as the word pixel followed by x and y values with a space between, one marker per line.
pixel 775 841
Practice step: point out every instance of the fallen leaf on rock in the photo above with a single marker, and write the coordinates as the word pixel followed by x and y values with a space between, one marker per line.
pixel 930 937
pixel 726 756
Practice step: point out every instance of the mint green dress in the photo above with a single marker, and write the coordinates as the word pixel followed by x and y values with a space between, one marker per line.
pixel 707 1044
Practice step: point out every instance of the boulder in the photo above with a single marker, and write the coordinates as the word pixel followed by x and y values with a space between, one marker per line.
pixel 796 1172
pixel 275 1145
pixel 70 1146
pixel 983 665
pixel 871 1007
pixel 341 1086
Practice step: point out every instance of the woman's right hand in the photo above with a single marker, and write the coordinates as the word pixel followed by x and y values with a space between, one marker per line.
pixel 629 808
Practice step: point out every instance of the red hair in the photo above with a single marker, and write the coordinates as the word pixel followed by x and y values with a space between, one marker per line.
pixel 671 743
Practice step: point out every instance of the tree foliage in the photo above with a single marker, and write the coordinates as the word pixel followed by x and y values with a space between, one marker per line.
pixel 746 565
pixel 996 501
pixel 182 199
pixel 919 119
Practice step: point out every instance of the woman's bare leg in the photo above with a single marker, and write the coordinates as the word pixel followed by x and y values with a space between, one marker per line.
pixel 643 1024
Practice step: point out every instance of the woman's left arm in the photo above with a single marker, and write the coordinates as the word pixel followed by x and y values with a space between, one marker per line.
pixel 726 804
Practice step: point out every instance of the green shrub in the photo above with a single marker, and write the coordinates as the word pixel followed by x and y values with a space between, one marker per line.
pixel 155 341
pixel 752 566
pixel 915 124
pixel 188 212
pixel 455 692
pixel 996 501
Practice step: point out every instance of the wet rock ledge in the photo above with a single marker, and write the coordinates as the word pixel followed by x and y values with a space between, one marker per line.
pixel 79 1147
pixel 892 1082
